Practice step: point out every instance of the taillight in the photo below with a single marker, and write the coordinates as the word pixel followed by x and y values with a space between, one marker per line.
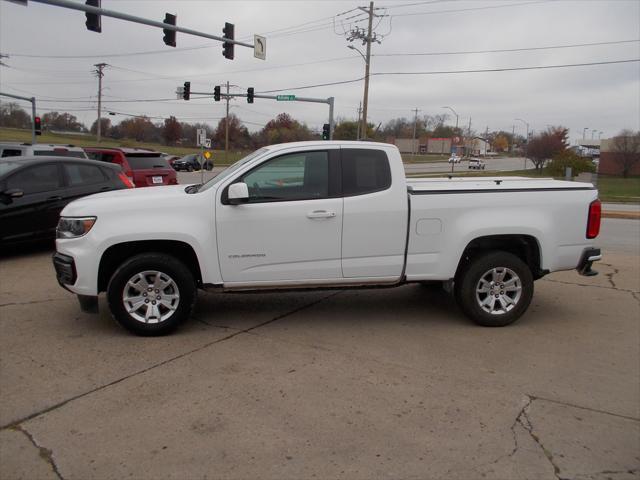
pixel 593 222
pixel 125 180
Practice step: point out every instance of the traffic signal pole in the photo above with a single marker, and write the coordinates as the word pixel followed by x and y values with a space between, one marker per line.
pixel 131 18
pixel 33 112
pixel 329 101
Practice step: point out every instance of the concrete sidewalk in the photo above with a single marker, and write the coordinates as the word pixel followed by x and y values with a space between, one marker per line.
pixel 629 211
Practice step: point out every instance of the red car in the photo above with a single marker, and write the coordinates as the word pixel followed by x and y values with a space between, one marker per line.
pixel 145 168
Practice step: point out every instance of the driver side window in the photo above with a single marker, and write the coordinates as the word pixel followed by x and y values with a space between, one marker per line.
pixel 298 176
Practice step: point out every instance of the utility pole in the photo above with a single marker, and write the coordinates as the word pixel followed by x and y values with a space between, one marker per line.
pixel 226 128
pixel 415 125
pixel 100 74
pixel 359 120
pixel 469 136
pixel 366 73
pixel 513 138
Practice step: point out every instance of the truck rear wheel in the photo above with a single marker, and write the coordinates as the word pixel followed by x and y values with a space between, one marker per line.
pixel 495 289
pixel 151 294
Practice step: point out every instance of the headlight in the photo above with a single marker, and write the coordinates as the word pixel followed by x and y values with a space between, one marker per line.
pixel 73 227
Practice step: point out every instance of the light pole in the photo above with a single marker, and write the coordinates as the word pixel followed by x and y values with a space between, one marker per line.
pixel 600 135
pixel 584 132
pixel 593 132
pixel 454 112
pixel 366 89
pixel 526 145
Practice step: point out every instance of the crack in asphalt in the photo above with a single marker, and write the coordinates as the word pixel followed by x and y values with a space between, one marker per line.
pixel 16 423
pixel 632 292
pixel 525 422
pixel 32 302
pixel 45 453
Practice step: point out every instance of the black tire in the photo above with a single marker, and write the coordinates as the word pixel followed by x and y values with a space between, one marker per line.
pixel 481 267
pixel 170 268
pixel 189 168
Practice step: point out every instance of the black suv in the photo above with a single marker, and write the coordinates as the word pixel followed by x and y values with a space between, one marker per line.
pixel 192 163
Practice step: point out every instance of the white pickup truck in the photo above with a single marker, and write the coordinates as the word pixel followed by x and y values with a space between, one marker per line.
pixel 323 215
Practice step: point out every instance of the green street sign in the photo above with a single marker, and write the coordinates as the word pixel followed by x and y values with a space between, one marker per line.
pixel 285 98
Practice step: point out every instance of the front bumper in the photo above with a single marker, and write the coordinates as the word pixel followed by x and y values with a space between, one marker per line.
pixel 589 256
pixel 67 275
pixel 65 269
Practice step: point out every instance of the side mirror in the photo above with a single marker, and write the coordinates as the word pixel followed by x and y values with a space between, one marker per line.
pixel 238 193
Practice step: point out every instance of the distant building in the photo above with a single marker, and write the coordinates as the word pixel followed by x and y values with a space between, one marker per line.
pixel 439 145
pixel 477 146
pixel 610 163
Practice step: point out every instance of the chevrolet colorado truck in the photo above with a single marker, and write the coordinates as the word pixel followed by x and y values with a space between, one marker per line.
pixel 332 214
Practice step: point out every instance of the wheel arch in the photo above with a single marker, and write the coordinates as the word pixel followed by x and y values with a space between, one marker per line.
pixel 116 254
pixel 525 247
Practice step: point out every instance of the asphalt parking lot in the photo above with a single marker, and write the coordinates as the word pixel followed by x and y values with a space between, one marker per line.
pixel 391 383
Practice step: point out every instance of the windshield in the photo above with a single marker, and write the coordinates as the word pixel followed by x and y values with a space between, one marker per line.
pixel 147 162
pixel 229 170
pixel 7 165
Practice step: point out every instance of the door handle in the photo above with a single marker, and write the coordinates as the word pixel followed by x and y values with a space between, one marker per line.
pixel 321 214
pixel 104 189
pixel 54 198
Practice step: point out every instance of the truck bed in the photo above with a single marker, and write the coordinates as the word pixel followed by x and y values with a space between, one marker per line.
pixel 425 186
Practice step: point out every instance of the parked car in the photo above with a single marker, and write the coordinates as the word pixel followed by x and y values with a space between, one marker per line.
pixel 145 168
pixel 170 158
pixel 192 163
pixel 33 191
pixel 325 214
pixel 476 164
pixel 454 159
pixel 16 149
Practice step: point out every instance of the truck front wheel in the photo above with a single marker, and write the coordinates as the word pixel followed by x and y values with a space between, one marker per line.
pixel 151 294
pixel 494 289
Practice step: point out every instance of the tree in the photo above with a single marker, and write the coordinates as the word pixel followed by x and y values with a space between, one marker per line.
pixel 544 146
pixel 500 143
pixel 284 129
pixel 569 159
pixel 172 130
pixel 346 130
pixel 62 121
pixel 138 128
pixel 105 126
pixel 238 134
pixel 626 146
pixel 13 115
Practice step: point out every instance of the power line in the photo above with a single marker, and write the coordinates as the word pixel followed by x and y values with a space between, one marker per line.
pixel 524 49
pixel 446 72
pixel 510 69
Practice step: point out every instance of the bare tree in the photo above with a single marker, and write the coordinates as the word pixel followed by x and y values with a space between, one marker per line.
pixel 626 147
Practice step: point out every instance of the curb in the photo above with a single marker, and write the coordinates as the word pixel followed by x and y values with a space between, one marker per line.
pixel 625 215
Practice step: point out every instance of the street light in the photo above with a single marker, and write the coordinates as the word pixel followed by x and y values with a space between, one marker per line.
pixel 454 112
pixel 526 145
pixel 593 132
pixel 366 87
pixel 584 132
pixel 600 135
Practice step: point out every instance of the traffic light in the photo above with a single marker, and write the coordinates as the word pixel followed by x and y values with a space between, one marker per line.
pixel 37 124
pixel 186 94
pixel 326 131
pixel 250 95
pixel 93 22
pixel 216 93
pixel 169 35
pixel 227 48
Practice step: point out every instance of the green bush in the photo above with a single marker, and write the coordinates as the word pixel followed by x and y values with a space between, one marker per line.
pixel 567 158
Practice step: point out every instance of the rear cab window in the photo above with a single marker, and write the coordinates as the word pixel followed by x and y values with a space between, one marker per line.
pixel 11 152
pixel 364 171
pixel 147 162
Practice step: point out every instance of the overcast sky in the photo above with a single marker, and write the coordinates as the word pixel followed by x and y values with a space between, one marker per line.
pixel 51 54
